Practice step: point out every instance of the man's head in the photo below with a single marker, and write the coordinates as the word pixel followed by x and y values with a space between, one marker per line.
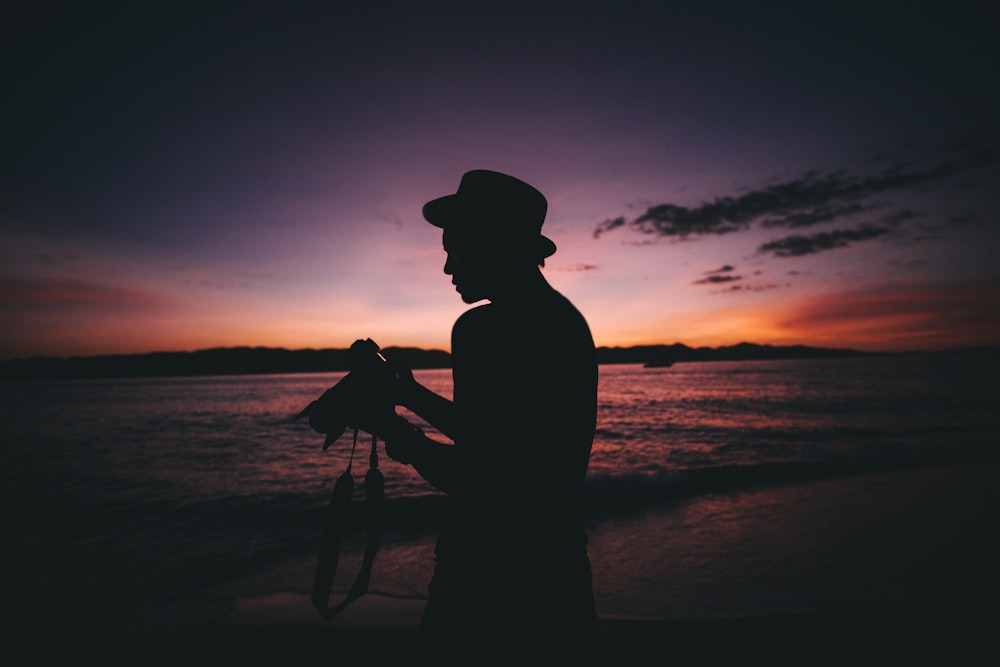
pixel 495 211
pixel 491 226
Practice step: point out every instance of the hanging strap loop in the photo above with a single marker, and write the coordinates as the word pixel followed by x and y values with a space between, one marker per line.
pixel 333 531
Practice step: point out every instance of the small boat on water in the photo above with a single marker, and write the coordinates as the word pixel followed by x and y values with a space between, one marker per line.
pixel 658 363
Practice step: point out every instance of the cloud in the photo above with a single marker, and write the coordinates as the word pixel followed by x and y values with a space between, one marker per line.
pixel 763 287
pixel 798 244
pixel 814 216
pixel 718 276
pixel 715 280
pixel 724 279
pixel 812 199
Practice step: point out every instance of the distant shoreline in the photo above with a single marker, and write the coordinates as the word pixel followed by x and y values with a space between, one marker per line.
pixel 267 360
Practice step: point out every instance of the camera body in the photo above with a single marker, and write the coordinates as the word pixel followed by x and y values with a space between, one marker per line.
pixel 365 391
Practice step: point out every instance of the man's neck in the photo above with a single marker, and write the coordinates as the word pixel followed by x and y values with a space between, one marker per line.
pixel 521 285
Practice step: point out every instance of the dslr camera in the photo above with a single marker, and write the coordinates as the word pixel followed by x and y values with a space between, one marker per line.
pixel 366 390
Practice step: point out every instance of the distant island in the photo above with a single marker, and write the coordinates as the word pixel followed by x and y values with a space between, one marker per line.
pixel 269 360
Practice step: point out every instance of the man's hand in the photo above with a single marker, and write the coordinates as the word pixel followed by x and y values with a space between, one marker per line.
pixel 404 384
pixel 399 435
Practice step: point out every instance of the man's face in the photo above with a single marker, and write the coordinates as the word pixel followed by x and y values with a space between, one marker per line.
pixel 473 269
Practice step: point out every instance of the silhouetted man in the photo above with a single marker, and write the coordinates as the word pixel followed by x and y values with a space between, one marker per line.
pixel 512 578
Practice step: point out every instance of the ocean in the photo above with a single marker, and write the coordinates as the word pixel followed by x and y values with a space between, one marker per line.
pixel 145 505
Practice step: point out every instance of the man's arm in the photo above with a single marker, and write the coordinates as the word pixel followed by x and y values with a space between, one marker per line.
pixel 435 461
pixel 433 408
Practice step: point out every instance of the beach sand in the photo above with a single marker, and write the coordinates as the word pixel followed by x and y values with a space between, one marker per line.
pixel 932 531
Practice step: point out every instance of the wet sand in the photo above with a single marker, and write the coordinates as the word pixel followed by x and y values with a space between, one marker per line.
pixel 934 529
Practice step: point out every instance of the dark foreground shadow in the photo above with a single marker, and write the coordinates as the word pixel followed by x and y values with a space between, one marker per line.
pixel 911 635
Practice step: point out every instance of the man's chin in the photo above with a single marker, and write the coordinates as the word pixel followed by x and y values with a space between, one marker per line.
pixel 471 298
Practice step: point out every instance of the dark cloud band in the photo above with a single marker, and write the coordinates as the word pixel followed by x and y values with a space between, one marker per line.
pixel 799 244
pixel 810 200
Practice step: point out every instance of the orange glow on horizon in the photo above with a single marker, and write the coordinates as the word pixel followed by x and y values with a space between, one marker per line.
pixel 893 318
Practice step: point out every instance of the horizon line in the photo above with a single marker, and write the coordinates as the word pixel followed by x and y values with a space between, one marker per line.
pixel 442 350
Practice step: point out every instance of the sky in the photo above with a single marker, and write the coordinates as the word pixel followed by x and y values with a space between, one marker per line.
pixel 184 176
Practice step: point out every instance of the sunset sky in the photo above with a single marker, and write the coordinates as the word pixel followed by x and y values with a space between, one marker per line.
pixel 209 175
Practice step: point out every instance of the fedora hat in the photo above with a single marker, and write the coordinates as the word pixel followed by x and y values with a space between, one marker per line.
pixel 494 207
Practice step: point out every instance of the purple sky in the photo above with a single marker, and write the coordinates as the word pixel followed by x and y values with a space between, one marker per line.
pixel 200 176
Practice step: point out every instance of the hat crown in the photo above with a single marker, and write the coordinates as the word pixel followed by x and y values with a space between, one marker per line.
pixel 502 193
pixel 496 207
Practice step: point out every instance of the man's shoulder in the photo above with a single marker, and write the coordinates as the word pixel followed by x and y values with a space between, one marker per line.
pixel 475 321
pixel 476 314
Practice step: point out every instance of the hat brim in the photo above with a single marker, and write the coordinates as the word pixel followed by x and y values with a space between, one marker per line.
pixel 449 209
pixel 443 210
pixel 546 247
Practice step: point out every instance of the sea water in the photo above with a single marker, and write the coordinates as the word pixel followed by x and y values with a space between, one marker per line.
pixel 119 492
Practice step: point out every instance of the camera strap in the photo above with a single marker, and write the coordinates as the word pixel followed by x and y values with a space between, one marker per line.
pixel 333 530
